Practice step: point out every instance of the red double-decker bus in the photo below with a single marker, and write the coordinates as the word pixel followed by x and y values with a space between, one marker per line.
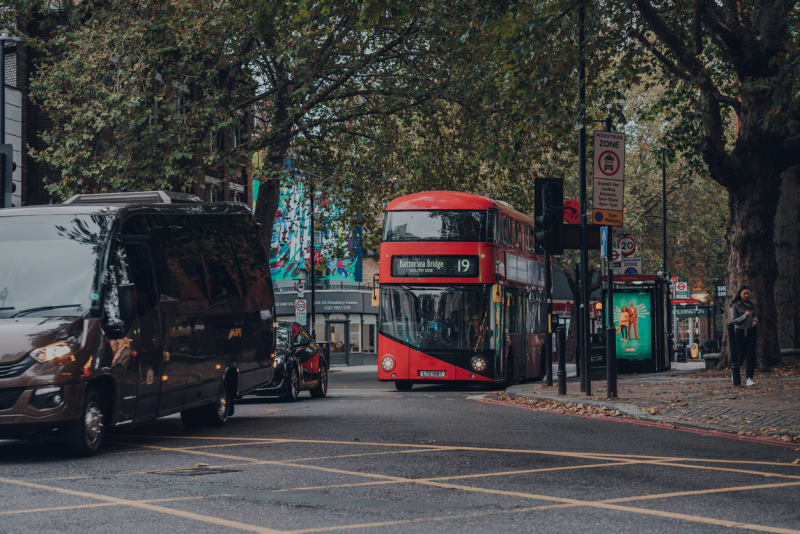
pixel 461 292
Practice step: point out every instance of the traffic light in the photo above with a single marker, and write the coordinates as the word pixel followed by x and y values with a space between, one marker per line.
pixel 548 212
pixel 7 167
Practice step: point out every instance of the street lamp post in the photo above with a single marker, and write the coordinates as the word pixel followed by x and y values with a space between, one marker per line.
pixel 664 208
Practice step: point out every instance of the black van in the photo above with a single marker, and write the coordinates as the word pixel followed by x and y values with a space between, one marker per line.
pixel 117 312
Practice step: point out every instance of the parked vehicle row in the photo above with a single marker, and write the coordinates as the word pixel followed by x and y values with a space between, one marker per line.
pixel 118 309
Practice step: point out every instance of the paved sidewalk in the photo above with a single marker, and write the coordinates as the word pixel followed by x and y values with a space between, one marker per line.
pixel 693 398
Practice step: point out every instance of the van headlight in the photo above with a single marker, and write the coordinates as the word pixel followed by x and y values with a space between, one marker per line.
pixel 54 352
pixel 278 360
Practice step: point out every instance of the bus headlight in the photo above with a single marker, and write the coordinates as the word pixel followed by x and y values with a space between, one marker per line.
pixel 55 352
pixel 387 363
pixel 479 363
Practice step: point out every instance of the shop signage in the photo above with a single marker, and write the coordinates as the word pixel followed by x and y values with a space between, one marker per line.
pixel 690 311
pixel 448 266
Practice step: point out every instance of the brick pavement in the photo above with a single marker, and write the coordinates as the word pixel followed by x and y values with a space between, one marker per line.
pixel 700 398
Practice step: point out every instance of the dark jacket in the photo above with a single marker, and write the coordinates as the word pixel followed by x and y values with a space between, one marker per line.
pixel 739 317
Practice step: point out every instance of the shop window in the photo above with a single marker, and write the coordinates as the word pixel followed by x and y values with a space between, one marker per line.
pixel 355 334
pixel 368 333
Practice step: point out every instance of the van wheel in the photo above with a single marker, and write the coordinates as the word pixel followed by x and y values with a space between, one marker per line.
pixel 214 414
pixel 403 385
pixel 321 389
pixel 86 437
pixel 292 386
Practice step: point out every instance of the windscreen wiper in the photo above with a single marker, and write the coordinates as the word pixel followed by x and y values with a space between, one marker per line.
pixel 45 308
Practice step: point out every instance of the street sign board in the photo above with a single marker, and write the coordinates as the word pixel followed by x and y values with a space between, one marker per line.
pixel 603 241
pixel 722 290
pixel 609 155
pixel 628 266
pixel 607 217
pixel 627 245
pixel 609 177
pixel 608 194
pixel 300 315
pixel 681 290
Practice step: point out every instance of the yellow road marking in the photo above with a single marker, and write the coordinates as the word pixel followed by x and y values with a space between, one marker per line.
pixel 727 469
pixel 691 493
pixel 616 507
pixel 525 495
pixel 104 504
pixel 460 477
pixel 398 522
pixel 584 455
pixel 145 506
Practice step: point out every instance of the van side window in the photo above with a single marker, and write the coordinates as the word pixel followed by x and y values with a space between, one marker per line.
pixel 184 265
pixel 251 262
pixel 215 248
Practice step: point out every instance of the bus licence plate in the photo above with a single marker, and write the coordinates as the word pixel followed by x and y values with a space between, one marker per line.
pixel 431 373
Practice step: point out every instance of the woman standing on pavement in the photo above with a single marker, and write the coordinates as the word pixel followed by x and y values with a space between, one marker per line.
pixel 744 321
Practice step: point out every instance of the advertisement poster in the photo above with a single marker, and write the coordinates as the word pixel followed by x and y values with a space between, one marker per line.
pixel 290 256
pixel 634 325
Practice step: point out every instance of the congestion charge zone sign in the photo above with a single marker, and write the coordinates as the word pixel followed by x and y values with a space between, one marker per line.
pixel 609 177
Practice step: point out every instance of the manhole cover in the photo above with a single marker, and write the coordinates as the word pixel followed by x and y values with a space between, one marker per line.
pixel 195 471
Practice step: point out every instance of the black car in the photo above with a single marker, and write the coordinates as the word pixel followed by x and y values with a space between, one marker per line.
pixel 300 365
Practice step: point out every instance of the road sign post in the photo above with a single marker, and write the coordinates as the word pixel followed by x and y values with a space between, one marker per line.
pixel 300 314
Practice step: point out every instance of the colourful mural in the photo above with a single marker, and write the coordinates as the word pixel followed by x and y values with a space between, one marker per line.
pixel 290 257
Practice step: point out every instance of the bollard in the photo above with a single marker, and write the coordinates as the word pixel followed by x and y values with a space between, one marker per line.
pixel 736 374
pixel 611 362
pixel 548 358
pixel 562 364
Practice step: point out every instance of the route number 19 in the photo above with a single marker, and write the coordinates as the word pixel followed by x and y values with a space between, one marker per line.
pixel 463 265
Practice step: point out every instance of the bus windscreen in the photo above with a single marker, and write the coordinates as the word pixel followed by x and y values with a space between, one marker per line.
pixel 435 225
pixel 436 318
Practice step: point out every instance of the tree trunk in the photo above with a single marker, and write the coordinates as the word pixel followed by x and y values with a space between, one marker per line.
pixel 751 259
pixel 787 255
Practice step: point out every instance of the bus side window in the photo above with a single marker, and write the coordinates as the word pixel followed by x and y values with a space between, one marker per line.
pixel 506 229
pixel 531 241
pixel 491 226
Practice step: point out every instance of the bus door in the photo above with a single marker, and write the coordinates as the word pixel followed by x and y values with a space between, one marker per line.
pixel 148 352
pixel 514 334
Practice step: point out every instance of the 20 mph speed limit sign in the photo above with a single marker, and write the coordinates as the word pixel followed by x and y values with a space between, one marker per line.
pixel 626 245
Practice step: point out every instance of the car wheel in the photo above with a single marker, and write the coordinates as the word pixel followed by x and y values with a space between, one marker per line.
pixel 86 437
pixel 321 389
pixel 403 385
pixel 292 386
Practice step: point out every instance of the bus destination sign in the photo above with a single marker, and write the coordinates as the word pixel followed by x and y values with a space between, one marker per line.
pixel 415 266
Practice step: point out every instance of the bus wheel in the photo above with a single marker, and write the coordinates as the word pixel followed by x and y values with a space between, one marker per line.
pixel 86 437
pixel 292 386
pixel 403 385
pixel 321 389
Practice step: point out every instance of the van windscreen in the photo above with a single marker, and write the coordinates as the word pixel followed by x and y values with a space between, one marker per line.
pixel 49 263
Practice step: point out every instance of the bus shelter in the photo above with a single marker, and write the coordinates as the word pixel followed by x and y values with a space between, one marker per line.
pixel 641 317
